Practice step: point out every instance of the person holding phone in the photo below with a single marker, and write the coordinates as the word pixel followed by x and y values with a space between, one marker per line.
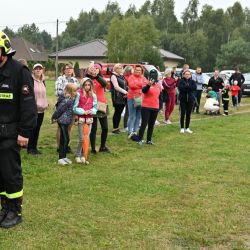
pixel 150 107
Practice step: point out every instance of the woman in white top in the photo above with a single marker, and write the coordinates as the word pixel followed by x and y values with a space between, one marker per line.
pixel 119 95
pixel 68 76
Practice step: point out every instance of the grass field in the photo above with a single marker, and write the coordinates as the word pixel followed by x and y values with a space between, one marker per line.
pixel 186 192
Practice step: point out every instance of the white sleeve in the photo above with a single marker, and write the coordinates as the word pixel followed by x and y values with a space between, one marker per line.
pixel 116 85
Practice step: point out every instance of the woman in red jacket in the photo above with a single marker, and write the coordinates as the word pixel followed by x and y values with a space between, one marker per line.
pixel 134 97
pixel 150 107
pixel 94 73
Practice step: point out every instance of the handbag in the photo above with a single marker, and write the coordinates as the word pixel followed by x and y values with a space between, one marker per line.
pixel 137 101
pixel 165 95
pixel 102 107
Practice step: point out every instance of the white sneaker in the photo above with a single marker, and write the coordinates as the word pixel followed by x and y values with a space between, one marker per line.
pixel 67 160
pixel 86 162
pixel 62 162
pixel 78 160
pixel 157 123
pixel 131 134
pixel 123 130
pixel 140 143
pixel 82 159
pixel 182 131
pixel 168 122
pixel 189 131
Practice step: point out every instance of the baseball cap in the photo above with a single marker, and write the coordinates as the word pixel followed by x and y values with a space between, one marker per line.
pixel 38 65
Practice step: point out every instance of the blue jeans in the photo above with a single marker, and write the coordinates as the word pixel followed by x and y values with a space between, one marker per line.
pixel 134 117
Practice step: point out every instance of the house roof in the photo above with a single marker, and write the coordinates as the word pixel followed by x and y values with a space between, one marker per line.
pixel 28 51
pixel 97 49
pixel 94 48
pixel 169 55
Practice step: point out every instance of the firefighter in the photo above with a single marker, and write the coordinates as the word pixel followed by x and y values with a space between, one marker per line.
pixel 17 119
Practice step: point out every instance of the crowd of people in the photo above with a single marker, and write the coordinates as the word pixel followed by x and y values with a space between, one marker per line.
pixel 134 97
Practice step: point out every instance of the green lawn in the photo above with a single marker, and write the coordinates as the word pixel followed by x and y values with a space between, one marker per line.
pixel 187 192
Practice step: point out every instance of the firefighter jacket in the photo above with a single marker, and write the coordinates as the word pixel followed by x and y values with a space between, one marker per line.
pixel 18 112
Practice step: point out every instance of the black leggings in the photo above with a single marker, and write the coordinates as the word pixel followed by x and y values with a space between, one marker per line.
pixel 148 118
pixel 117 115
pixel 104 125
pixel 35 133
pixel 64 140
pixel 186 110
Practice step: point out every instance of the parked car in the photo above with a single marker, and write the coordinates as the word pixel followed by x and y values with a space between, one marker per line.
pixel 246 85
pixel 205 76
pixel 209 74
pixel 228 73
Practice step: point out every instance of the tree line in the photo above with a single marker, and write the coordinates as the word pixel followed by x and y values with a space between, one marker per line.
pixel 215 38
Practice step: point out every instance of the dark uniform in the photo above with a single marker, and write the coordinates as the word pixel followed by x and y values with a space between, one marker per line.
pixel 225 99
pixel 17 117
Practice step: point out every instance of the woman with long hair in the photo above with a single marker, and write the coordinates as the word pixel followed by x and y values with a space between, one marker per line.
pixel 85 106
pixel 94 73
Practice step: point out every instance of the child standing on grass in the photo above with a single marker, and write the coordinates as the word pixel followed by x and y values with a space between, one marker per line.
pixel 235 89
pixel 225 98
pixel 64 115
pixel 85 106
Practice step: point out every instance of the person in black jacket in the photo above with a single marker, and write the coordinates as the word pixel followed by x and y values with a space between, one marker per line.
pixel 18 114
pixel 186 88
pixel 237 76
pixel 217 84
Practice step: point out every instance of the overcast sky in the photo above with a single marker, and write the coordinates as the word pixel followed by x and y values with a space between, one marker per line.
pixel 45 13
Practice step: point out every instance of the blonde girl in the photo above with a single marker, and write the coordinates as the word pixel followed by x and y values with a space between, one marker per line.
pixel 64 115
pixel 85 106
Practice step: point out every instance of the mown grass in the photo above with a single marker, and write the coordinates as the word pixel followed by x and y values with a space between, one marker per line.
pixel 186 192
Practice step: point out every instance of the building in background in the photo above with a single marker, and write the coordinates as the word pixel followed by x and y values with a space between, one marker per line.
pixel 28 51
pixel 96 50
